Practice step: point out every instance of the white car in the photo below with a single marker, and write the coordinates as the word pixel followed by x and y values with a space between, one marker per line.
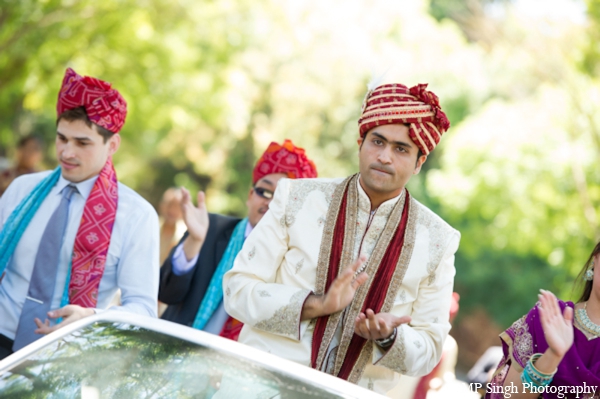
pixel 121 355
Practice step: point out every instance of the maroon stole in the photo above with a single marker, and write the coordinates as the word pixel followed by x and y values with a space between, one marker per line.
pixel 386 268
pixel 231 329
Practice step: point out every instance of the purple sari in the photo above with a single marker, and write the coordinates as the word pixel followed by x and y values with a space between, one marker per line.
pixel 579 368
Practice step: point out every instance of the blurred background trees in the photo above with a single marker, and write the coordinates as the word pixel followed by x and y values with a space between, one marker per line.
pixel 211 83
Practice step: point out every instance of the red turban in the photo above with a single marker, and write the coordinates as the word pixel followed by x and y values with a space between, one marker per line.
pixel 396 103
pixel 286 158
pixel 104 106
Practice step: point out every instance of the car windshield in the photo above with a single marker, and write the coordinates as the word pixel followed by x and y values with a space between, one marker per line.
pixel 116 360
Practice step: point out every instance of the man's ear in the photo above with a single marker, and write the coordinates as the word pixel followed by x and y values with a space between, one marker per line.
pixel 420 163
pixel 113 144
pixel 360 141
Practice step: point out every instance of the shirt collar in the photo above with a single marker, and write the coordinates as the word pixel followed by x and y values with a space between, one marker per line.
pixel 249 229
pixel 386 207
pixel 83 187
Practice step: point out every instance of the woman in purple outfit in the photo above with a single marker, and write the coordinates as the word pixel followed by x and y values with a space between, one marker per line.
pixel 554 350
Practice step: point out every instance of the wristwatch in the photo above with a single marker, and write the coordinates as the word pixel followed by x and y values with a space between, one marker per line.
pixel 387 342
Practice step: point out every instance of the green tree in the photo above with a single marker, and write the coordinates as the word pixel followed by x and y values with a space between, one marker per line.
pixel 210 84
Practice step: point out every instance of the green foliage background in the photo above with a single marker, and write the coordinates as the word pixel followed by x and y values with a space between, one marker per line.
pixel 210 83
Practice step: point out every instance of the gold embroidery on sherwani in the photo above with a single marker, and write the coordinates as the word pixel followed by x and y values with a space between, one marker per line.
pixel 438 234
pixel 327 240
pixel 299 265
pixel 297 195
pixel 350 225
pixel 410 235
pixel 361 363
pixel 402 296
pixel 396 355
pixel 323 262
pixel 353 310
pixel 285 319
pixel 370 225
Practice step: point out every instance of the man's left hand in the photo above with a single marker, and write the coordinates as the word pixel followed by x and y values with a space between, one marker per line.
pixel 377 326
pixel 69 313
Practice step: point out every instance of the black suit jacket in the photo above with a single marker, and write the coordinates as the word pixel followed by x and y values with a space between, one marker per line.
pixel 184 293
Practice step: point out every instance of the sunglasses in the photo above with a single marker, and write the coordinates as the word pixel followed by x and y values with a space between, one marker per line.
pixel 263 192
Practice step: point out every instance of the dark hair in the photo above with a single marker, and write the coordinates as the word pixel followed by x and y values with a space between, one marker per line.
pixel 26 139
pixel 80 114
pixel 587 285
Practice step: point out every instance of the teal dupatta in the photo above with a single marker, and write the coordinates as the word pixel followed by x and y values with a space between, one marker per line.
pixel 19 219
pixel 214 293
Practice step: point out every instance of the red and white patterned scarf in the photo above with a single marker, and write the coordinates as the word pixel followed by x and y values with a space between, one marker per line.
pixel 93 238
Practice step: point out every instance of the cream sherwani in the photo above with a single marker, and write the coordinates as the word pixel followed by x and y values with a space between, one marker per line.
pixel 277 269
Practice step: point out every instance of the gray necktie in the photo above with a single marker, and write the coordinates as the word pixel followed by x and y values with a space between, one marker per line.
pixel 43 279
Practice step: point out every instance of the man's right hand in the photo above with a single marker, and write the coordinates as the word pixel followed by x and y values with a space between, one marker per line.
pixel 340 293
pixel 196 220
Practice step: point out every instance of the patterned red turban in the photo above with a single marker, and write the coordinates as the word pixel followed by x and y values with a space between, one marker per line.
pixel 286 158
pixel 396 103
pixel 104 106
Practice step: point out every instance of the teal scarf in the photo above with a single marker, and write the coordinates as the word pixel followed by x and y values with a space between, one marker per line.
pixel 19 219
pixel 214 293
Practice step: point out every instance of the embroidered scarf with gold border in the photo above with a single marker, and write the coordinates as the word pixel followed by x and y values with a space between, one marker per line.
pixel 386 268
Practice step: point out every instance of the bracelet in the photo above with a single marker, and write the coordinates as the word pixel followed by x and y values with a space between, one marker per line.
pixel 533 376
pixel 527 378
pixel 534 358
pixel 387 342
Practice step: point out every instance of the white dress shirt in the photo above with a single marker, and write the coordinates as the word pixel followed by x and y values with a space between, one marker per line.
pixel 132 259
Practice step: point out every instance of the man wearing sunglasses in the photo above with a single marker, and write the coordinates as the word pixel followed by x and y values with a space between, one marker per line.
pixel 192 275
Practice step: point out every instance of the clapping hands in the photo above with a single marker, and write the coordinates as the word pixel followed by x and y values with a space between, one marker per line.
pixel 558 327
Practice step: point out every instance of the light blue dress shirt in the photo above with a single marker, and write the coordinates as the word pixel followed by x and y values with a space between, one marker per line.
pixel 132 260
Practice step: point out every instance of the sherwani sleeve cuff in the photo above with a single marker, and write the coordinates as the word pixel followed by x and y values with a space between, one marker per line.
pixel 410 353
pixel 394 357
pixel 418 346
pixel 286 320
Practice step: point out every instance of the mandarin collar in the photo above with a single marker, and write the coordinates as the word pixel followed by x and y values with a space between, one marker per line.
pixel 386 207
pixel 83 187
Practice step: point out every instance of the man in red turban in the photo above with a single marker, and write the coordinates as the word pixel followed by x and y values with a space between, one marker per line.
pixel 416 107
pixel 73 236
pixel 354 276
pixel 191 276
pixel 285 158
